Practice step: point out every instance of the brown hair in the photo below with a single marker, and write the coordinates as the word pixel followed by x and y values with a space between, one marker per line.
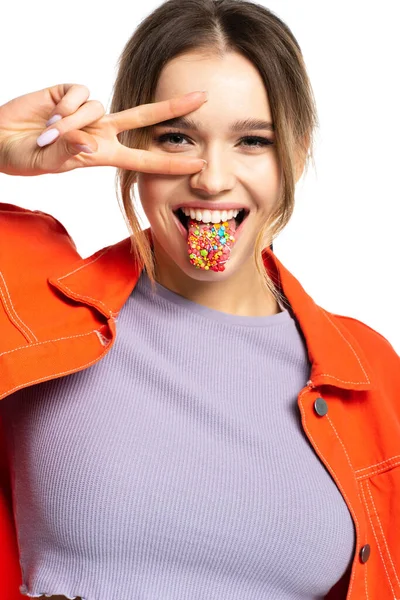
pixel 216 27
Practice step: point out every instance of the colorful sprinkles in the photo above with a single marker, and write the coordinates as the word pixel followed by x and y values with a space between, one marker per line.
pixel 209 247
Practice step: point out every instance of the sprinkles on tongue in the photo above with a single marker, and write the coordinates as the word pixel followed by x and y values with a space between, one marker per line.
pixel 210 244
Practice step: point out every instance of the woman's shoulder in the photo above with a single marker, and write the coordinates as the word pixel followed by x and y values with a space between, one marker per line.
pixel 30 239
pixel 361 329
pixel 33 246
pixel 377 349
pixel 16 221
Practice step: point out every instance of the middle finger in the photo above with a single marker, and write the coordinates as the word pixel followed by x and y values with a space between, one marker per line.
pixel 151 162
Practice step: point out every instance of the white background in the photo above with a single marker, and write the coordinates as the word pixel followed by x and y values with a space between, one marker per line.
pixel 342 241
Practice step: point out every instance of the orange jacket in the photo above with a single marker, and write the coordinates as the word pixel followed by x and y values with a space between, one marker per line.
pixel 57 316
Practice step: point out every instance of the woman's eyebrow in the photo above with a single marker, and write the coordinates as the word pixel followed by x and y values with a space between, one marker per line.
pixel 236 127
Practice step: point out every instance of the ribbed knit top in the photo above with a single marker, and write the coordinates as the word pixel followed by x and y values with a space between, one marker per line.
pixel 177 468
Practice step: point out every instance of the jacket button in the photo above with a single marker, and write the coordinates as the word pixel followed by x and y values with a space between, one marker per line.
pixel 321 407
pixel 365 552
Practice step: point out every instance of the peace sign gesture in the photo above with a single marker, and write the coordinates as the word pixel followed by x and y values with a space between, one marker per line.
pixel 23 133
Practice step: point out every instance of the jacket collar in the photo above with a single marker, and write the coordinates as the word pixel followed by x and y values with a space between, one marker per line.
pixel 106 280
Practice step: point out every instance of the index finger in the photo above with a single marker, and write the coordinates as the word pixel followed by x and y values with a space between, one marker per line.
pixel 156 112
pixel 145 161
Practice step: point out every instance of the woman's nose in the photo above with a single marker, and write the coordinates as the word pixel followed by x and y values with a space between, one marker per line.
pixel 217 177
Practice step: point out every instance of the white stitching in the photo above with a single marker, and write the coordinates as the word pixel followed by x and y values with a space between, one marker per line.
pixel 53 375
pixel 109 312
pixel 343 446
pixel 378 471
pixel 377 542
pixel 340 486
pixel 12 313
pixel 345 451
pixel 86 264
pixel 347 456
pixel 377 464
pixel 383 534
pixel 350 346
pixel 103 339
pixel 366 579
pixel 69 337
pixel 341 380
pixel 367 509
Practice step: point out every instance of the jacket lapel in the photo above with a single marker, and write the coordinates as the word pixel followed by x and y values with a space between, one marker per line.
pixel 106 279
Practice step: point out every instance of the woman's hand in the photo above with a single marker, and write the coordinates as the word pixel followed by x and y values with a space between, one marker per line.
pixel 84 122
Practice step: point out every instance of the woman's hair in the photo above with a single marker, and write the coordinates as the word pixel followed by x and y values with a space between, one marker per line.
pixel 214 28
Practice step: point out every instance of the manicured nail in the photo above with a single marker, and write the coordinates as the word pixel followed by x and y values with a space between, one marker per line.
pixel 47 137
pixel 53 120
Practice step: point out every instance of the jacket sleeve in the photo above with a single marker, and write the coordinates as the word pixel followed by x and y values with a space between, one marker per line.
pixel 27 238
pixel 10 571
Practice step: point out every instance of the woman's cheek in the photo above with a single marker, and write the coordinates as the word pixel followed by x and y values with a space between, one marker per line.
pixel 156 191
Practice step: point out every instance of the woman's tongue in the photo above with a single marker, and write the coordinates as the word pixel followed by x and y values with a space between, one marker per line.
pixel 209 245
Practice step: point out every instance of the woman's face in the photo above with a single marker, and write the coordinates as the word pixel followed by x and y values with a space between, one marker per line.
pixel 242 166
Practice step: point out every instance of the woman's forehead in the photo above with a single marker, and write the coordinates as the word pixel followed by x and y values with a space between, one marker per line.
pixel 232 82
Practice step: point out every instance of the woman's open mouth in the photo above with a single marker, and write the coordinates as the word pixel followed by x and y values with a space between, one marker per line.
pixel 184 220
pixel 211 245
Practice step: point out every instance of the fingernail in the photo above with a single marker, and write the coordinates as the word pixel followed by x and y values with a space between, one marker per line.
pixel 205 164
pixel 47 137
pixel 53 120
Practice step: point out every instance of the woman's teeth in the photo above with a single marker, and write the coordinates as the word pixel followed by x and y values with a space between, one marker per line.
pixel 211 216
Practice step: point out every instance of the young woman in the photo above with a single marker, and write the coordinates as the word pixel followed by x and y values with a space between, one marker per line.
pixel 179 418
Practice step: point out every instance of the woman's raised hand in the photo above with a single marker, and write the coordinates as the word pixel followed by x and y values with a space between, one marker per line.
pixel 84 122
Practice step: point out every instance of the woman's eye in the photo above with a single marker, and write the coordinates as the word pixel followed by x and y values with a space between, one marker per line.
pixel 260 141
pixel 172 139
pixel 166 137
